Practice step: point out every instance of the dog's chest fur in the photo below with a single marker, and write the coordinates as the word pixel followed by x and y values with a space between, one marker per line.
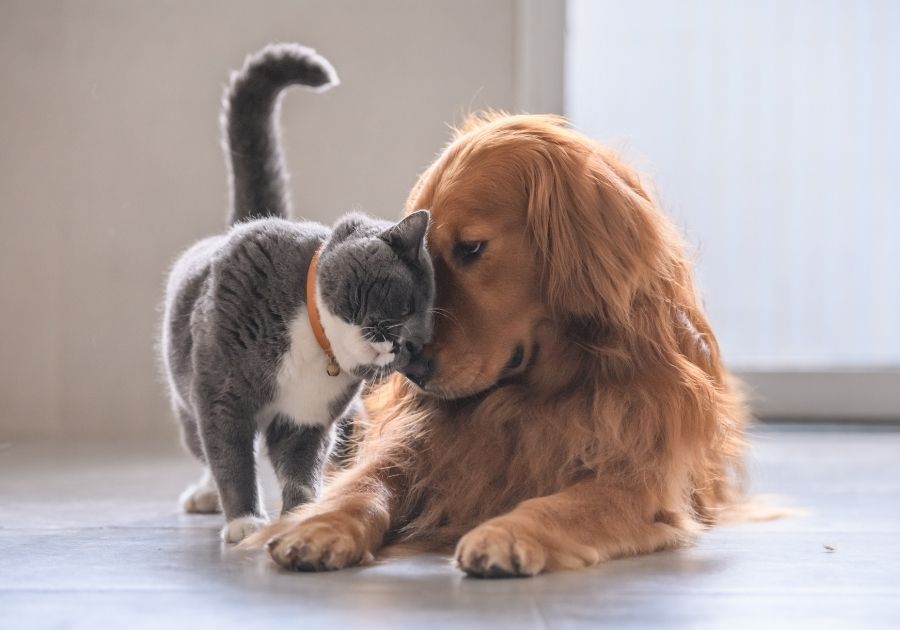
pixel 305 392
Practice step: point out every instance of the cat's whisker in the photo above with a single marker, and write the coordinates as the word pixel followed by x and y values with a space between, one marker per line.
pixel 444 313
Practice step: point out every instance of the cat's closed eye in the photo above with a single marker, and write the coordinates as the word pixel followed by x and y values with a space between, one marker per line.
pixel 408 309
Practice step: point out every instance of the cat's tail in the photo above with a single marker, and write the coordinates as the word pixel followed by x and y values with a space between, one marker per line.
pixel 257 174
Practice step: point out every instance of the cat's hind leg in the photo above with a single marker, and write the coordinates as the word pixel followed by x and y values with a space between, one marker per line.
pixel 298 454
pixel 201 497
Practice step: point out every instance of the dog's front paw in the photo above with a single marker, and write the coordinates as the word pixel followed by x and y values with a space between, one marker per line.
pixel 239 528
pixel 318 544
pixel 497 550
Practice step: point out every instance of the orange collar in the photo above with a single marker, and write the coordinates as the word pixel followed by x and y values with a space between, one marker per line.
pixel 312 310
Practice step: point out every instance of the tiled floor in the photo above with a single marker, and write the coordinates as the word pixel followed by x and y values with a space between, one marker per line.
pixel 90 538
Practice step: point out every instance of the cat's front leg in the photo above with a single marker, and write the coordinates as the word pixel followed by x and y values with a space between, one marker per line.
pixel 228 439
pixel 298 454
pixel 346 528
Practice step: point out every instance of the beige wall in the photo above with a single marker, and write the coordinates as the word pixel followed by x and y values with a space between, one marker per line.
pixel 110 164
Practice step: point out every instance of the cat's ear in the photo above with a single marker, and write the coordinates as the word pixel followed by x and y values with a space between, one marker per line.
pixel 408 236
pixel 348 225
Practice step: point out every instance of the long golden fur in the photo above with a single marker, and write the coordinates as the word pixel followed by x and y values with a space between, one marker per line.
pixel 619 433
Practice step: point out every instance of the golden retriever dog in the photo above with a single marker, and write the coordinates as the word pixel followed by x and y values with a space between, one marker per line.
pixel 573 406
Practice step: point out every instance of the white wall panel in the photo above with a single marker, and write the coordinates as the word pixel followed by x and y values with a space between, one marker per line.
pixel 772 131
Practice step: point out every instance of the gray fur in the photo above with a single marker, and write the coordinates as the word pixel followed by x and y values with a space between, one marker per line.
pixel 231 301
pixel 298 455
pixel 250 125
pixel 378 275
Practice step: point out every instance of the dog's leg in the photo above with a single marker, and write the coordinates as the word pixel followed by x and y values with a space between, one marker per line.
pixel 581 526
pixel 345 528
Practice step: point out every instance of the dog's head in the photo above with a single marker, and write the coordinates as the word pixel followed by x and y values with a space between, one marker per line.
pixel 534 228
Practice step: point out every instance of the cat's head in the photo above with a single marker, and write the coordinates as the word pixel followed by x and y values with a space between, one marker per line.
pixel 376 292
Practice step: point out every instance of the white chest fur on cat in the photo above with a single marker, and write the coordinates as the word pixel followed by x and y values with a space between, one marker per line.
pixel 304 388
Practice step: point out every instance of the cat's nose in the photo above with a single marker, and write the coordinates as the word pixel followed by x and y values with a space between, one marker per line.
pixel 419 369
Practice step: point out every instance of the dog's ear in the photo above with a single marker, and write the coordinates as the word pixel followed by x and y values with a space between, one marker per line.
pixel 599 233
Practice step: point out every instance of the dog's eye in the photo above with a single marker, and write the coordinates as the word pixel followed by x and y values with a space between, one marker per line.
pixel 468 251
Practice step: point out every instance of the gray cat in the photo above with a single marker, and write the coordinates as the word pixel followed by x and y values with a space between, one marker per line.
pixel 245 351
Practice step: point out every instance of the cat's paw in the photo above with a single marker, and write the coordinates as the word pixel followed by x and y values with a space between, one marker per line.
pixel 239 528
pixel 200 498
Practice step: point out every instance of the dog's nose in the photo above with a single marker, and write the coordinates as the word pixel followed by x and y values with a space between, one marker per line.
pixel 413 347
pixel 419 369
